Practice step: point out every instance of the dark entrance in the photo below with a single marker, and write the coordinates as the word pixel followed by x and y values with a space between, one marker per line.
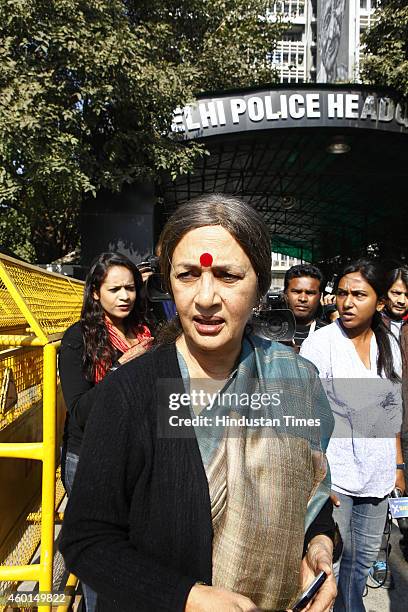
pixel 319 205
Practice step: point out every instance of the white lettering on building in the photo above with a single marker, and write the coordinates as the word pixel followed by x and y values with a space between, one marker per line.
pixel 208 114
pixel 352 101
pixel 313 106
pixel 369 108
pixel 190 124
pixel 221 112
pixel 386 109
pixel 256 110
pixel 335 106
pixel 238 107
pixel 296 106
pixel 279 107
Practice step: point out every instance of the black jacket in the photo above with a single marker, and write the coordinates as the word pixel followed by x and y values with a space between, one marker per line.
pixel 137 527
pixel 79 393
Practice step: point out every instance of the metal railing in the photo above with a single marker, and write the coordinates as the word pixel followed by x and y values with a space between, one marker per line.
pixel 35 309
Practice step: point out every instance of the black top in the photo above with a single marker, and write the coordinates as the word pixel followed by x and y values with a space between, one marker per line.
pixel 137 527
pixel 302 331
pixel 78 392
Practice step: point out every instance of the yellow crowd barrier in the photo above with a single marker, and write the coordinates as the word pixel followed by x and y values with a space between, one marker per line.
pixel 36 307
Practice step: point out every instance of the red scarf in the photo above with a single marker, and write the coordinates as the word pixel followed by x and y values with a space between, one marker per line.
pixel 141 332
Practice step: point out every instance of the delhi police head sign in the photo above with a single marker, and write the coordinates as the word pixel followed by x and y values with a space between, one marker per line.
pixel 317 107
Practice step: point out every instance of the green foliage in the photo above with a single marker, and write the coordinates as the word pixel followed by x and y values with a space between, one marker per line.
pixel 386 54
pixel 88 88
pixel 15 234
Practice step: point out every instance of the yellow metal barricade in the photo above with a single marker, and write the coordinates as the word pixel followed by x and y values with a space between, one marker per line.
pixel 36 307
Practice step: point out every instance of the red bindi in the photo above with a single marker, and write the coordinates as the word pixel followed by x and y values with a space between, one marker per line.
pixel 206 260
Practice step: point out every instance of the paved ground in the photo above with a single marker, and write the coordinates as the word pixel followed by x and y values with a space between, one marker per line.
pixel 395 600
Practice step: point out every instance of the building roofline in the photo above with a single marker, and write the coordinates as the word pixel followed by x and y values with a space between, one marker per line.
pixel 295 86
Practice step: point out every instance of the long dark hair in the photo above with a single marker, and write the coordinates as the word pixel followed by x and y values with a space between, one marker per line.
pixel 242 221
pixel 394 275
pixel 97 347
pixel 374 275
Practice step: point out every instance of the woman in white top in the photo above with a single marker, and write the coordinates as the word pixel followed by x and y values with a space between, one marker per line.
pixel 361 364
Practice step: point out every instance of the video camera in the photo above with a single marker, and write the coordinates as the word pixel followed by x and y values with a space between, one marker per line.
pixel 274 320
pixel 160 307
pixel 155 291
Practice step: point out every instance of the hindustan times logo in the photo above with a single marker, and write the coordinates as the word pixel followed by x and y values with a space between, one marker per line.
pixel 287 421
pixel 212 411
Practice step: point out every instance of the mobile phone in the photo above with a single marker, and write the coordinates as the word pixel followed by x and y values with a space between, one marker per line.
pixel 310 592
pixel 330 284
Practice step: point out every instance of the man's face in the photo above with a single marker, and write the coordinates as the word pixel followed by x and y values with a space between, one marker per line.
pixel 303 295
pixel 397 299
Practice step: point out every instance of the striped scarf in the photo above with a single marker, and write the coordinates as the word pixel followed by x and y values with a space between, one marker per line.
pixel 266 484
pixel 141 332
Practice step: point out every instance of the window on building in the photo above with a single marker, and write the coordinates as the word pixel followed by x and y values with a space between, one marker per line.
pixel 276 57
pixel 292 37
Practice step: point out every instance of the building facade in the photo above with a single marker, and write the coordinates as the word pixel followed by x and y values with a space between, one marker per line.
pixel 281 263
pixel 320 29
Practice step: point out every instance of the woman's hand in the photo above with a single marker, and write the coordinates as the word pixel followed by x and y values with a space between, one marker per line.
pixel 136 350
pixel 204 598
pixel 330 298
pixel 334 499
pixel 319 557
